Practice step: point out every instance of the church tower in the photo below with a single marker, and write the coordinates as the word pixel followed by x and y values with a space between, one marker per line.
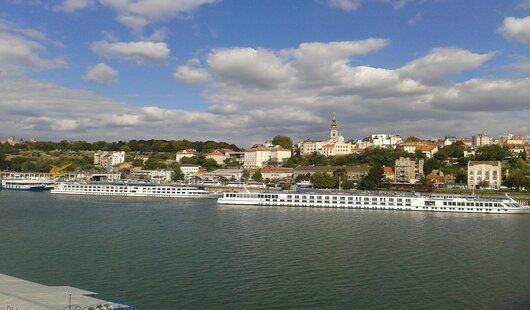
pixel 333 131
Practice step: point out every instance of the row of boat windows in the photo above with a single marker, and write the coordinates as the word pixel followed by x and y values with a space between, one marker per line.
pixel 417 208
pixel 122 189
pixel 333 198
pixel 471 204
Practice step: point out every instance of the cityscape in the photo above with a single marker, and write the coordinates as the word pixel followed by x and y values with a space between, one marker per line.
pixel 477 162
pixel 221 154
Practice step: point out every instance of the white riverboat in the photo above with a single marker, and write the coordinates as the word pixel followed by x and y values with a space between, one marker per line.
pixel 27 185
pixel 133 190
pixel 377 201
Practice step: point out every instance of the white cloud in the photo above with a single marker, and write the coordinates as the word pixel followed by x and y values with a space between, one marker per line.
pixel 70 6
pixel 353 5
pixel 256 93
pixel 516 29
pixel 346 5
pixel 21 52
pixel 140 52
pixel 136 14
pixel 101 74
pixel 443 62
pixel 191 75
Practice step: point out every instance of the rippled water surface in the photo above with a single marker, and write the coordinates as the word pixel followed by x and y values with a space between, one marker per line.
pixel 175 254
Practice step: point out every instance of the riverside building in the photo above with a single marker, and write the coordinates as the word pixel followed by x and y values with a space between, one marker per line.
pixel 485 174
pixel 335 145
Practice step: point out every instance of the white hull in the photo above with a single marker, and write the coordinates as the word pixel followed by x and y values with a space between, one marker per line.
pixel 154 191
pixel 461 204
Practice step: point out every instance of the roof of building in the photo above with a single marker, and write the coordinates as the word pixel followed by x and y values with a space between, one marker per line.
pixel 187 151
pixel 426 148
pixel 215 153
pixel 483 162
pixel 309 169
pixel 276 170
pixel 267 148
pixel 388 169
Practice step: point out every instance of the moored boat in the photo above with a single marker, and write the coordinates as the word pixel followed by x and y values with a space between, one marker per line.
pixel 133 190
pixel 26 185
pixel 378 201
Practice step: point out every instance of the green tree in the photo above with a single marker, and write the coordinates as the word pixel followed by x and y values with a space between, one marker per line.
pixel 492 152
pixel 374 179
pixel 411 139
pixel 257 176
pixel 177 173
pixel 286 186
pixel 283 141
pixel 323 180
pixel 431 164
pixel 517 181
pixel 245 175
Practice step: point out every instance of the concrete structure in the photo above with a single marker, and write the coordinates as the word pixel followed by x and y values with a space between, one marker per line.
pixel 227 174
pixel 385 140
pixel 487 173
pixel 335 145
pixel 108 159
pixel 408 170
pixel 276 173
pixel 190 170
pixel 424 147
pixel 104 177
pixel 260 156
pixel 354 172
pixel 18 294
pixel 218 156
pixel 481 140
pixel 185 153
pixel 155 176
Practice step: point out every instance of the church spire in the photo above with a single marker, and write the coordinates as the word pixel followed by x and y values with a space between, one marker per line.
pixel 334 120
pixel 333 131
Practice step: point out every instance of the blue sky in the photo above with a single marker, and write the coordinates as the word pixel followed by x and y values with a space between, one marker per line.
pixel 483 47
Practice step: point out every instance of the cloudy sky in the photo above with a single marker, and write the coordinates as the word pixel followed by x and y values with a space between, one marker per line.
pixel 245 70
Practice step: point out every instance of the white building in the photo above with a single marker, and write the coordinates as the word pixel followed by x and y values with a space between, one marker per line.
pixel 424 147
pixel 486 172
pixel 190 170
pixel 218 156
pixel 260 156
pixel 108 159
pixel 385 140
pixel 335 145
pixel 185 153
pixel 276 173
pixel 156 176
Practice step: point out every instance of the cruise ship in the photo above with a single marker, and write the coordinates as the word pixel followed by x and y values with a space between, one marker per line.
pixel 26 185
pixel 133 190
pixel 377 201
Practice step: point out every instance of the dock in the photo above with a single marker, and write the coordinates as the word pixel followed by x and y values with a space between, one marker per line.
pixel 19 294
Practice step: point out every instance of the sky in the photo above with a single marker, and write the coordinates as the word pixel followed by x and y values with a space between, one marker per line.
pixel 244 71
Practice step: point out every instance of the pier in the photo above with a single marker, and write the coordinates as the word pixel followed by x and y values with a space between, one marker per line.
pixel 18 294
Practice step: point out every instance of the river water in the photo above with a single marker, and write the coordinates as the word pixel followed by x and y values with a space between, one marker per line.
pixel 194 254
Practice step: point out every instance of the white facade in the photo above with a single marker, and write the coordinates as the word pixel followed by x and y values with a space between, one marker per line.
pixel 185 153
pixel 260 156
pixel 109 159
pixel 189 170
pixel 484 171
pixel 335 145
pixel 385 140
pixel 156 176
